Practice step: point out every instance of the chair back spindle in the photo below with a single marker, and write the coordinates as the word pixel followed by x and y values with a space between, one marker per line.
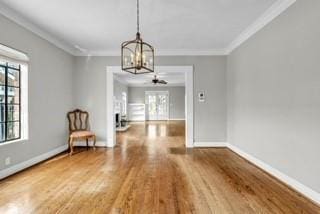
pixel 78 120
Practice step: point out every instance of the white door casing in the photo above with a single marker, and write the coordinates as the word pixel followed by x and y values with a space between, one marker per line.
pixel 189 113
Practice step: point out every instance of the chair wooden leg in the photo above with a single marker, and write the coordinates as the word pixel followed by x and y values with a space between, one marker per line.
pixel 71 145
pixel 94 142
pixel 87 141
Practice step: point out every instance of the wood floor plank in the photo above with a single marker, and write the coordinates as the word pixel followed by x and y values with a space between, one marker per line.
pixel 149 171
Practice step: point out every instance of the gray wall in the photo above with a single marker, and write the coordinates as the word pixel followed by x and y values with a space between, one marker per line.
pixel 176 98
pixel 118 88
pixel 274 94
pixel 50 93
pixel 210 76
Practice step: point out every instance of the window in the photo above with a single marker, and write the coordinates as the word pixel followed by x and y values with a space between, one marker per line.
pixel 10 109
pixel 13 95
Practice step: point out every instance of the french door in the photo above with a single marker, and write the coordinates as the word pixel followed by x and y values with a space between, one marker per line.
pixel 157 105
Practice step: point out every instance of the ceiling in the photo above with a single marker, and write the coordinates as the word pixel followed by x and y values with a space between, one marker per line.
pixel 173 79
pixel 100 26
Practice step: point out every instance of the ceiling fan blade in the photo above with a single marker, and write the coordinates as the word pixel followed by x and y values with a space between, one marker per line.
pixel 162 82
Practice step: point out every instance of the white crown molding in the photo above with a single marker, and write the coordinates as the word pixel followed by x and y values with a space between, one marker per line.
pixel 158 69
pixel 98 53
pixel 274 11
pixel 173 52
pixel 15 17
pixel 191 52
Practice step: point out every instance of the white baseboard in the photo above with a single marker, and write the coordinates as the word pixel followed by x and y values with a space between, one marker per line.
pixel 306 191
pixel 301 188
pixel 174 119
pixel 20 166
pixel 123 129
pixel 210 144
pixel 83 143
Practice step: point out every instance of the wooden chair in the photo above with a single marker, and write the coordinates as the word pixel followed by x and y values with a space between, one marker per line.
pixel 79 128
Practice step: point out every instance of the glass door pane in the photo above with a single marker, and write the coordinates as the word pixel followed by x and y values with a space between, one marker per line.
pixel 163 111
pixel 152 106
pixel 157 105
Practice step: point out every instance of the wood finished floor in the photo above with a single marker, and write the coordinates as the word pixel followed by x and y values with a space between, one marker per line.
pixel 149 171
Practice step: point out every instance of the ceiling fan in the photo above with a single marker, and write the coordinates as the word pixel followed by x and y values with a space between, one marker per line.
pixel 155 81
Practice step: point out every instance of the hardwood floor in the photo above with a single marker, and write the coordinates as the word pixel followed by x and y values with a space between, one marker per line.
pixel 149 171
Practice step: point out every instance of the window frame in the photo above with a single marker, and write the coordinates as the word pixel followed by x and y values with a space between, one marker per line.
pixel 12 55
pixel 6 86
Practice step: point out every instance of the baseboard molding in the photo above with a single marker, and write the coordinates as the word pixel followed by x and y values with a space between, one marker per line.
pixel 123 129
pixel 83 143
pixel 23 165
pixel 296 185
pixel 209 144
pixel 174 119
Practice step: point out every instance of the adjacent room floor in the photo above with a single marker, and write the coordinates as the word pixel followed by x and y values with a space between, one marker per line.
pixel 149 171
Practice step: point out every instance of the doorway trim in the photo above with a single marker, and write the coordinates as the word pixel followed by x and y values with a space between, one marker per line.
pixel 189 101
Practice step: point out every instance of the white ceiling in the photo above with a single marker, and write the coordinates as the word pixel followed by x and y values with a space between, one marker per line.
pixel 173 79
pixel 100 26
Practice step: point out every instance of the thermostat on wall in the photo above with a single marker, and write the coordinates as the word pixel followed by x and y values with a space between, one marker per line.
pixel 201 97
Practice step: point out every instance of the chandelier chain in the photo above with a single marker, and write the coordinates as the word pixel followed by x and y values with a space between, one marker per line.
pixel 138 17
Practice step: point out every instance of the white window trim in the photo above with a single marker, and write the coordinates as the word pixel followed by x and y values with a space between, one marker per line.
pixel 24 103
pixel 22 59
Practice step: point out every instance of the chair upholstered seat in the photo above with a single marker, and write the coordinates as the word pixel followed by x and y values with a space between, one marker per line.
pixel 81 134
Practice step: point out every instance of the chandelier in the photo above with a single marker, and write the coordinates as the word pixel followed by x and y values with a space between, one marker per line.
pixel 137 56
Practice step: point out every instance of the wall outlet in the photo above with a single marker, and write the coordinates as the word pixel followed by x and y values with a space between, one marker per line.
pixel 7 161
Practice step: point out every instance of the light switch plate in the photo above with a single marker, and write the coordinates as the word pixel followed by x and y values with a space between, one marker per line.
pixel 201 97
